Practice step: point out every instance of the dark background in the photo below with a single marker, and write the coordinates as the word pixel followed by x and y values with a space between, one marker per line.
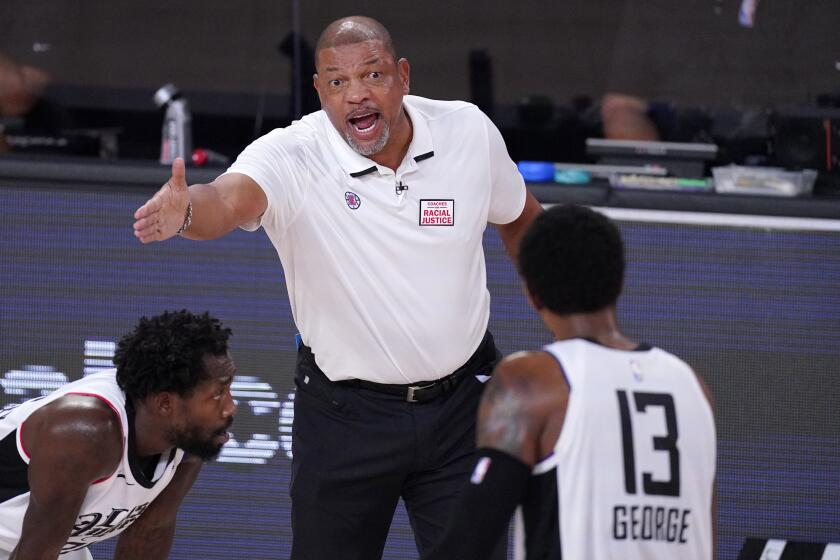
pixel 755 308
pixel 547 64
pixel 558 49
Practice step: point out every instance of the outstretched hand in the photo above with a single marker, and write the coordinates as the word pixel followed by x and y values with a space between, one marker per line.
pixel 163 215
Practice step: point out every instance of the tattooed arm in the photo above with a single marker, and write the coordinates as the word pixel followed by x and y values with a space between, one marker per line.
pixel 523 407
pixel 519 421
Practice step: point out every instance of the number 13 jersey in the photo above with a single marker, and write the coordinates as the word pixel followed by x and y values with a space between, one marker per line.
pixel 632 473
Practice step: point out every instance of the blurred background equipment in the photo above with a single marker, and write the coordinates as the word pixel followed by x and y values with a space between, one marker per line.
pixel 806 138
pixel 202 156
pixel 681 159
pixel 176 133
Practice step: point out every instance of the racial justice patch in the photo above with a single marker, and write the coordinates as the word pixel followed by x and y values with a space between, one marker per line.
pixel 437 212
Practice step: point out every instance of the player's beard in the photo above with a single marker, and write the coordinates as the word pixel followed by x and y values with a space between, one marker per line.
pixel 196 441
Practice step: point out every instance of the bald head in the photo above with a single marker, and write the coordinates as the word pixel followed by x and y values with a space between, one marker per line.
pixel 352 30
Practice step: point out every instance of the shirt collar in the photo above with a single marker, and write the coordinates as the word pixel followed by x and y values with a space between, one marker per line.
pixel 357 165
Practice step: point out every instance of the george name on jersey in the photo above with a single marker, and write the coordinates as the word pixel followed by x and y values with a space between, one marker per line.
pixel 650 523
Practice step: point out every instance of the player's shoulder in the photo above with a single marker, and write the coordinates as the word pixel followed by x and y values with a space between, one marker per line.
pixel 535 373
pixel 86 420
pixel 524 361
pixel 88 406
pixel 532 385
pixel 79 431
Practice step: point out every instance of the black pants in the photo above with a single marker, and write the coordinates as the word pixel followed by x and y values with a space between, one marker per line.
pixel 357 451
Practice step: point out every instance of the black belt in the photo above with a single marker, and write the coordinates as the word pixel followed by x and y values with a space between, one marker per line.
pixel 419 392
pixel 422 391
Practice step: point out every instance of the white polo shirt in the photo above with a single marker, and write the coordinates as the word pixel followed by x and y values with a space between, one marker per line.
pixel 387 284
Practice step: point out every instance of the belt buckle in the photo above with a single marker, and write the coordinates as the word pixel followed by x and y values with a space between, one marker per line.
pixel 412 389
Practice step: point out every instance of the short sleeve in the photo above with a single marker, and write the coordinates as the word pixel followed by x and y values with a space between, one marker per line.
pixel 277 163
pixel 507 196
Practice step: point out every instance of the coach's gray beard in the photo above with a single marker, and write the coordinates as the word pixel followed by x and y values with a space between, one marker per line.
pixel 370 149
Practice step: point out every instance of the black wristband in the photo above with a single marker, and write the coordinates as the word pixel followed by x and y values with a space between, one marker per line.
pixel 484 509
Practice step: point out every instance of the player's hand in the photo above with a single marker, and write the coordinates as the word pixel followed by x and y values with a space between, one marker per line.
pixel 163 215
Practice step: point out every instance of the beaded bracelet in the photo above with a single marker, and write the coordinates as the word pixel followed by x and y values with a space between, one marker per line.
pixel 187 220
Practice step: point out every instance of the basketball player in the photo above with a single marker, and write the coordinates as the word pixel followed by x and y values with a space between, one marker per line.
pixel 116 451
pixel 605 447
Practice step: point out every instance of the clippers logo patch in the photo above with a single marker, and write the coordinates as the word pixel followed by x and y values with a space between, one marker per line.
pixel 353 200
pixel 437 212
pixel 480 470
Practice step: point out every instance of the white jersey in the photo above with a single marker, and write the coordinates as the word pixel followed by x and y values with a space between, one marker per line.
pixel 111 504
pixel 632 472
